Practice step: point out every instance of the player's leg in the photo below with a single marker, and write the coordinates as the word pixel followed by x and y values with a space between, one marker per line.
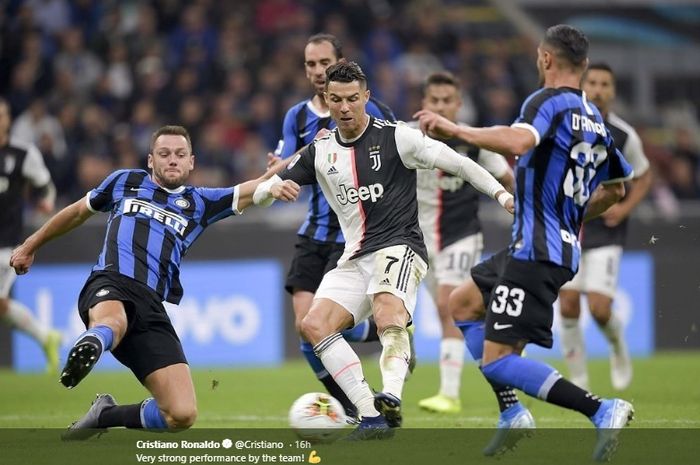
pixel 572 343
pixel 571 338
pixel 451 360
pixel 341 300
pixel 173 406
pixel 18 316
pixel 394 274
pixel 305 274
pixel 466 304
pixel 606 262
pixel 102 306
pixel 520 311
pixel 152 351
pixel 107 326
pixel 173 394
pixel 452 266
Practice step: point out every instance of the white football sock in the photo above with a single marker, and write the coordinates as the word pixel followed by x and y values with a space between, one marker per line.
pixel 612 330
pixel 20 317
pixel 451 362
pixel 396 352
pixel 574 351
pixel 345 368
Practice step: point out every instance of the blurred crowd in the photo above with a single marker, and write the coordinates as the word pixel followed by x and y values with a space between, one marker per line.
pixel 89 81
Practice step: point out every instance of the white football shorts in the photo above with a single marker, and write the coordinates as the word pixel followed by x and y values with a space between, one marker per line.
pixel 597 271
pixel 397 270
pixel 452 265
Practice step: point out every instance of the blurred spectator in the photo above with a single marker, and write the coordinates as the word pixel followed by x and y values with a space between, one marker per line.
pixel 273 16
pixel 194 41
pixel 32 56
pixel 417 62
pixel 112 72
pixel 37 126
pixel 144 123
pixel 683 172
pixel 95 125
pixel 145 35
pixel 52 16
pixel 118 80
pixel 500 106
pixel 81 64
pixel 191 113
pixel 92 169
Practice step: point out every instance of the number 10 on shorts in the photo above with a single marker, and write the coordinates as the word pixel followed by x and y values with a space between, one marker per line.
pixel 508 300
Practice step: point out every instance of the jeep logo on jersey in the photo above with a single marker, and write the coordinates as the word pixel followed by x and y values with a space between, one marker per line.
pixel 178 223
pixel 352 195
pixel 376 157
pixel 445 183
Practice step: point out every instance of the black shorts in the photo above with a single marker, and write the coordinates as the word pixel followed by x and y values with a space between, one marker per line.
pixel 519 296
pixel 150 342
pixel 312 260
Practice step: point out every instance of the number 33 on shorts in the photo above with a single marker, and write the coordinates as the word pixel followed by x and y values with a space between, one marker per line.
pixel 508 300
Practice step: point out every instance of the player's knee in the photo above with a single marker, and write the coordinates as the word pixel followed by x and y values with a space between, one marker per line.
pixel 569 306
pixel 182 416
pixel 463 306
pixel 386 317
pixel 4 306
pixel 312 329
pixel 601 309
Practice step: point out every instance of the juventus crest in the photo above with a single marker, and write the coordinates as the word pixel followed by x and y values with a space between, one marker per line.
pixel 376 157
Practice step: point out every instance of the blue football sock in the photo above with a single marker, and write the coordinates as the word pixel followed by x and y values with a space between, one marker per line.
pixel 530 376
pixel 315 363
pixel 151 418
pixel 474 337
pixel 100 334
pixel 362 332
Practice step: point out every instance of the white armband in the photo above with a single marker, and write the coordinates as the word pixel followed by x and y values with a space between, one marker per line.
pixel 262 196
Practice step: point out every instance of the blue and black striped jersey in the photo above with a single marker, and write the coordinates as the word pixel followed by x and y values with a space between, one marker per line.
pixel 150 228
pixel 301 124
pixel 574 153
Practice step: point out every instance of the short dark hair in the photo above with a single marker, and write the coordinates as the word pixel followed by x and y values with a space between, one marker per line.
pixel 600 66
pixel 171 130
pixel 346 71
pixel 569 43
pixel 333 40
pixel 441 78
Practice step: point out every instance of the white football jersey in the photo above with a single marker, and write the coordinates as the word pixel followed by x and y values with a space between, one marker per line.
pixel 370 183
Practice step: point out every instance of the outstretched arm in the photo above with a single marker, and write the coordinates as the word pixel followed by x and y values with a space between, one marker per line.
pixel 621 210
pixel 506 140
pixel 288 191
pixel 450 161
pixel 603 197
pixel 66 220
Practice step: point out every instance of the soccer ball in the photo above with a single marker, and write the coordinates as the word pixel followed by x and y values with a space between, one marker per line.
pixel 317 417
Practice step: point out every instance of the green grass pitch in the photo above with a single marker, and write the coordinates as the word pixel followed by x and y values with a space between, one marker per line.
pixel 665 393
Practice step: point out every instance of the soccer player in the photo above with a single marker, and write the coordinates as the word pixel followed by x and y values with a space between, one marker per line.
pixel 21 164
pixel 321 241
pixel 567 170
pixel 602 241
pixel 365 168
pixel 154 219
pixel 448 217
